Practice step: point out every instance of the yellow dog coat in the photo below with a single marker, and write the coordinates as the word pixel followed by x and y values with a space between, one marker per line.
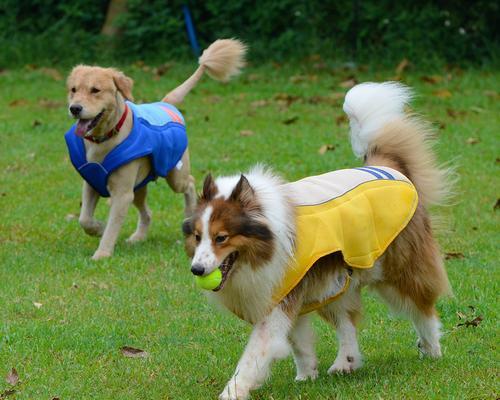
pixel 358 212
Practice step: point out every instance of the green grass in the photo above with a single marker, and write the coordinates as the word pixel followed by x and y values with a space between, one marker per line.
pixel 145 296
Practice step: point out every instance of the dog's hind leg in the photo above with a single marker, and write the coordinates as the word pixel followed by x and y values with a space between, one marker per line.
pixel 144 216
pixel 181 181
pixel 89 202
pixel 302 341
pixel 343 314
pixel 268 342
pixel 423 316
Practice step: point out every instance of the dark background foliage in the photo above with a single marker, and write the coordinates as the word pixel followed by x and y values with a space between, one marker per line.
pixel 381 31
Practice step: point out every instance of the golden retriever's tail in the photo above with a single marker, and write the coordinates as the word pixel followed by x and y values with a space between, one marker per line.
pixel 223 59
pixel 384 135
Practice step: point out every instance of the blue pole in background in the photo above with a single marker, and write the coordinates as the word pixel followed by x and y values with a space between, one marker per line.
pixel 190 30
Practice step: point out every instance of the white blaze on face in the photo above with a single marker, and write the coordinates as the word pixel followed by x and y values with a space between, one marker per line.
pixel 204 254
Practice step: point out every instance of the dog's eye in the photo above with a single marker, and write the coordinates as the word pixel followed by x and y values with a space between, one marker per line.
pixel 197 238
pixel 73 90
pixel 219 239
pixel 94 90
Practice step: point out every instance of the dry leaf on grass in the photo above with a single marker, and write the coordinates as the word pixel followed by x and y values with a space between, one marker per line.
pixel 341 119
pixel 432 79
pixel 326 147
pixel 8 392
pixel 259 103
pixel 442 93
pixel 47 103
pixel 70 217
pixel 472 141
pixel 291 120
pixel 347 84
pixel 246 132
pixel 285 98
pixel 18 103
pixel 52 73
pixel 12 377
pixel 473 322
pixel 132 352
pixel 402 66
pixel 454 113
pixel 451 255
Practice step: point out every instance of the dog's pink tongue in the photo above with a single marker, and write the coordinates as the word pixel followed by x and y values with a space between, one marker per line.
pixel 82 127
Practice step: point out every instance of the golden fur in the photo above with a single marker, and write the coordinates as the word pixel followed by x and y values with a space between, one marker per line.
pixel 103 91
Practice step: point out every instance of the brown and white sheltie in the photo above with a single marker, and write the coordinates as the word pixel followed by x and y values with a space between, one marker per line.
pixel 245 224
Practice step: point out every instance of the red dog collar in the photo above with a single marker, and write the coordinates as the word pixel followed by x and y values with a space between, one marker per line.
pixel 112 132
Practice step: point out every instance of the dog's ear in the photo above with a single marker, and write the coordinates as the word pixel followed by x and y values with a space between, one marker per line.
pixel 188 227
pixel 123 83
pixel 242 192
pixel 209 189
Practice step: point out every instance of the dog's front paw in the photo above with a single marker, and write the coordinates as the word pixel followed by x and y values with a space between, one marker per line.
pixel 428 349
pixel 234 391
pixel 345 365
pixel 93 228
pixel 100 254
pixel 305 375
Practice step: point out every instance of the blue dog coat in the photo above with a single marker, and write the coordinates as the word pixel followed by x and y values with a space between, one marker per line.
pixel 158 132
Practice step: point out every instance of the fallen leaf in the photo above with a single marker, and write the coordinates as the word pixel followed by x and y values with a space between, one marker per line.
pixel 341 119
pixel 162 69
pixel 472 141
pixel 291 120
pixel 37 305
pixel 285 98
pixel 332 99
pixel 259 103
pixel 70 217
pixel 6 393
pixel 454 113
pixel 451 255
pixel 326 147
pixel 473 322
pixel 349 83
pixel 478 110
pixel 47 103
pixel 212 99
pixel 403 65
pixel 497 205
pixel 12 377
pixel 253 77
pixel 18 103
pixel 491 93
pixel 442 93
pixel 52 73
pixel 432 79
pixel 246 132
pixel 132 352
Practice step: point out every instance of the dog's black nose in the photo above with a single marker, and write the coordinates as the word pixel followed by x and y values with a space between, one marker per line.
pixel 75 109
pixel 197 269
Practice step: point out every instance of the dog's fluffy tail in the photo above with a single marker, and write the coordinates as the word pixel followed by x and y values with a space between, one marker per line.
pixel 223 59
pixel 384 135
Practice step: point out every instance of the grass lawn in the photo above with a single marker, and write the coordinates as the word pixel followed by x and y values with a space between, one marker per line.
pixel 64 318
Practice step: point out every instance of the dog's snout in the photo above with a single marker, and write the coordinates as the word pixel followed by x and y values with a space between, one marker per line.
pixel 75 109
pixel 197 269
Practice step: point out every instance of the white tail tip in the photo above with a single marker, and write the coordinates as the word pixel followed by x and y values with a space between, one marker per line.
pixel 369 106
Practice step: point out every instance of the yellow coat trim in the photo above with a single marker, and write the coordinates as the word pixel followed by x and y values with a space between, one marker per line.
pixel 361 224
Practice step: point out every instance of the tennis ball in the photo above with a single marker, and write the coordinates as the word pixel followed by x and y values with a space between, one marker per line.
pixel 210 281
